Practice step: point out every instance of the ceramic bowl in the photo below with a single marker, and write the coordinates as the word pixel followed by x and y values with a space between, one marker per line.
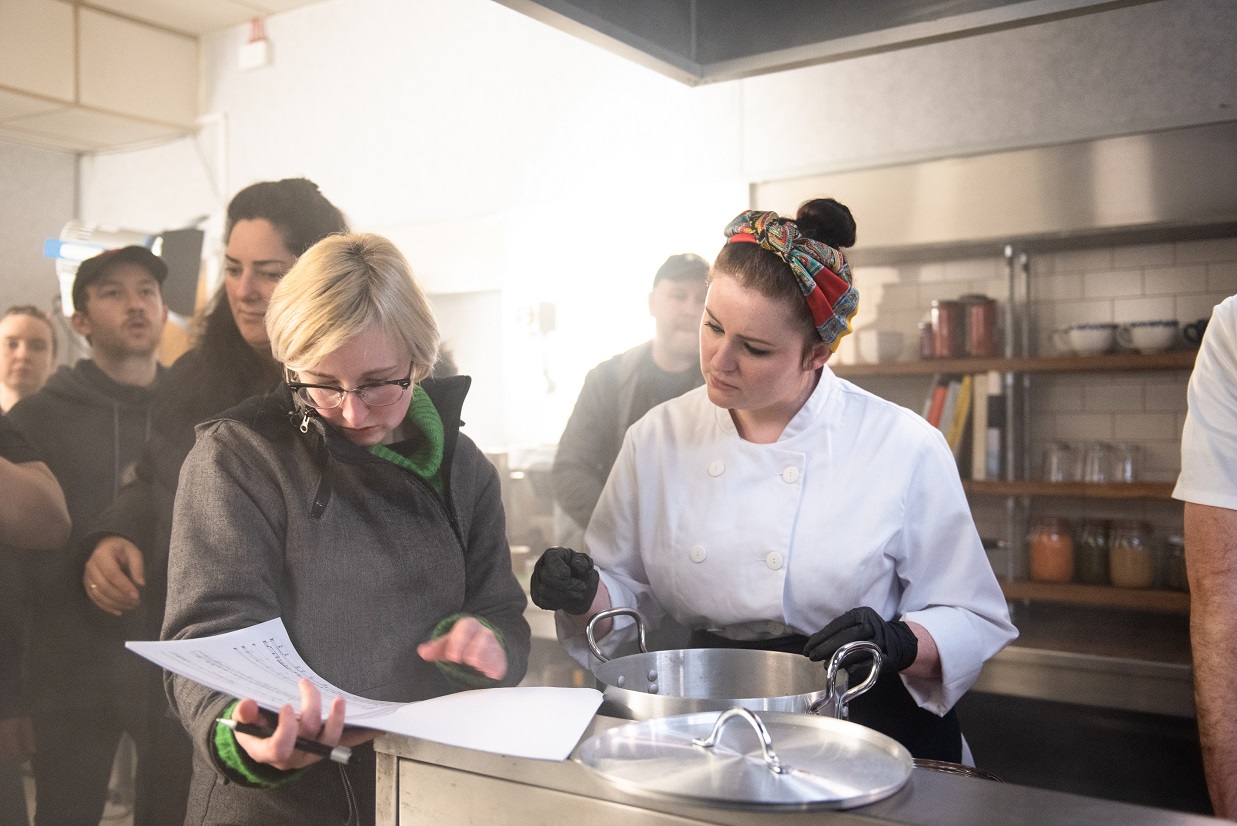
pixel 1086 339
pixel 1148 336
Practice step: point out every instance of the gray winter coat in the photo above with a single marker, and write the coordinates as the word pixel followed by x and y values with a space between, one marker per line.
pixel 359 557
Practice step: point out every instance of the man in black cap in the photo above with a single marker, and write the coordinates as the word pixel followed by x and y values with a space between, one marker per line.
pixel 620 390
pixel 89 424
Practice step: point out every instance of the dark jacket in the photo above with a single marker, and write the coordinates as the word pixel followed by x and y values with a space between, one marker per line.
pixel 14 596
pixel 90 431
pixel 142 511
pixel 591 441
pixel 358 556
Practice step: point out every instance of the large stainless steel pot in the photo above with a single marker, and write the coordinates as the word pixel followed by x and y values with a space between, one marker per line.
pixel 680 681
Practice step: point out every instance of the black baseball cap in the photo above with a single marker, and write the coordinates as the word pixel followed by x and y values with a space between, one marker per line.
pixel 92 269
pixel 685 266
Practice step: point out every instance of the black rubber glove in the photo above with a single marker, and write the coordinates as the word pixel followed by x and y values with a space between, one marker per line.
pixel 564 579
pixel 896 640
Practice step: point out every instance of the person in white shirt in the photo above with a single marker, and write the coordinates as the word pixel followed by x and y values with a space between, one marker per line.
pixel 1208 486
pixel 780 507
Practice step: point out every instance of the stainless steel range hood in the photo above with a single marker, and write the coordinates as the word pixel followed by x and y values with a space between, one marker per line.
pixel 703 41
pixel 1170 185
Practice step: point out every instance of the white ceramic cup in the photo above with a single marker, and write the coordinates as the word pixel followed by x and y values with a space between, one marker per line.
pixel 879 346
pixel 1148 336
pixel 1085 339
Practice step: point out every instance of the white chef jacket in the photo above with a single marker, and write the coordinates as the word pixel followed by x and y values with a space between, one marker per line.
pixel 857 503
pixel 1209 440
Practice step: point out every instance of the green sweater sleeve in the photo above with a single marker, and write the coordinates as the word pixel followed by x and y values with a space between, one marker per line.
pixel 239 767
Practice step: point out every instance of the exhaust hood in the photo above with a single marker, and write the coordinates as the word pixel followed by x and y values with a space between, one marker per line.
pixel 1176 184
pixel 704 41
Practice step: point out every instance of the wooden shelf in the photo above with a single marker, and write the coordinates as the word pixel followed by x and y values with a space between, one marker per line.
pixel 1100 596
pixel 1110 363
pixel 1084 490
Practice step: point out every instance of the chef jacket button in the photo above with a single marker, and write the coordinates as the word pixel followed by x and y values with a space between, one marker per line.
pixel 790 475
pixel 717 467
pixel 774 561
pixel 698 553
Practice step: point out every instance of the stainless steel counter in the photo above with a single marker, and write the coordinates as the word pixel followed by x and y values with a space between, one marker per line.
pixel 1121 660
pixel 1088 679
pixel 423 782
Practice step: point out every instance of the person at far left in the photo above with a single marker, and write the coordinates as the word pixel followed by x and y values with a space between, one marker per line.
pixel 27 353
pixel 33 519
pixel 89 424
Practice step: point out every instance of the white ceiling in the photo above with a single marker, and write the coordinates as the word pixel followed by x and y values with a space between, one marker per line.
pixel 196 17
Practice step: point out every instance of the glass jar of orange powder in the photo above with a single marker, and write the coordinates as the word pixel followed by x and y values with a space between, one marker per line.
pixel 1052 550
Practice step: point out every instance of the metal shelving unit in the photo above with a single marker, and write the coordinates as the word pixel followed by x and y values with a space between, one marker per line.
pixel 1017 367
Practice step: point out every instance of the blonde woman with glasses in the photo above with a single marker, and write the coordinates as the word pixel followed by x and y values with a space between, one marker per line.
pixel 348 503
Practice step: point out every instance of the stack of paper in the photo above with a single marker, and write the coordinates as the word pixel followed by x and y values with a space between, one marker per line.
pixel 261 663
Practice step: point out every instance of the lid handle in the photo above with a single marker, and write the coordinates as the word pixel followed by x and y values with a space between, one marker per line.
pixel 772 762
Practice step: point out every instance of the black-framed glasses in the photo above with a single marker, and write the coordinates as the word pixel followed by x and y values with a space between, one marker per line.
pixel 326 396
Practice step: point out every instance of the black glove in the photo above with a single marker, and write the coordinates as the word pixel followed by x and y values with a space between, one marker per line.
pixel 896 640
pixel 564 579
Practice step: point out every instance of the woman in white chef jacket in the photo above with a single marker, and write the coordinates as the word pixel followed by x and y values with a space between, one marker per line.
pixel 781 507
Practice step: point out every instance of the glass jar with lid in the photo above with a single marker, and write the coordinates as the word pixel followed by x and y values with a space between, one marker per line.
pixel 1091 553
pixel 1131 557
pixel 1052 550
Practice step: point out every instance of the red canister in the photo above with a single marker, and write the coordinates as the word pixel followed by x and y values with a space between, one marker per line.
pixel 980 325
pixel 947 329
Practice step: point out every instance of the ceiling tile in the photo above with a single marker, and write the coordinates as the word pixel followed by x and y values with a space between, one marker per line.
pixel 198 17
pixel 93 130
pixel 15 105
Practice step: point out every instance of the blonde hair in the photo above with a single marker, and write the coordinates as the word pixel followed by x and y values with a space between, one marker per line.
pixel 342 286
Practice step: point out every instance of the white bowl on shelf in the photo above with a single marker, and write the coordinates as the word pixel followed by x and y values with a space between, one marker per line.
pixel 1148 336
pixel 1085 339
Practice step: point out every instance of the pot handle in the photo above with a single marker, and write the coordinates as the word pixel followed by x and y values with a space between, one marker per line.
pixel 772 762
pixel 841 708
pixel 607 614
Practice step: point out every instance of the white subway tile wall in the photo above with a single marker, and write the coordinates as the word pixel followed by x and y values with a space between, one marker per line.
pixel 1181 281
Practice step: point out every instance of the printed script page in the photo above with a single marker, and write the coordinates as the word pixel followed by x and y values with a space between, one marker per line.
pixel 261 663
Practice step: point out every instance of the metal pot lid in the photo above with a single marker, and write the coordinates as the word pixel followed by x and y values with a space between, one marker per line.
pixel 745 759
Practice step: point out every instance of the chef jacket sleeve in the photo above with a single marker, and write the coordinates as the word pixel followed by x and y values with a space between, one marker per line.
pixel 948 585
pixel 1209 439
pixel 614 537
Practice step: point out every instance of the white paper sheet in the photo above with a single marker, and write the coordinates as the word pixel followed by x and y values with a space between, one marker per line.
pixel 261 663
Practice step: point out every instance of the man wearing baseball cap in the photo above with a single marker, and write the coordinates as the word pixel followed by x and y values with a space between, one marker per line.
pixel 620 390
pixel 89 424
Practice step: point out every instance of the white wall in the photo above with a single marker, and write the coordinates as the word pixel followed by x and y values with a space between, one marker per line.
pixel 517 165
pixel 37 189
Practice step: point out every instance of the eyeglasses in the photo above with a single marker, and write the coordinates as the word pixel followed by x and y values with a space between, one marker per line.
pixel 326 397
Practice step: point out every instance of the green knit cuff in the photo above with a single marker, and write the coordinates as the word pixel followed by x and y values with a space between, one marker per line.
pixel 465 675
pixel 240 767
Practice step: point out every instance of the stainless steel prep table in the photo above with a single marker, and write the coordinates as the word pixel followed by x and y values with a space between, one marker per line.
pixel 420 782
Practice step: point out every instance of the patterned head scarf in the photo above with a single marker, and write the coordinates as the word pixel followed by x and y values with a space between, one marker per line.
pixel 822 272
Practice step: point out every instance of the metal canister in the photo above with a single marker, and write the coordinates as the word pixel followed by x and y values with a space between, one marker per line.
pixel 980 324
pixel 948 329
